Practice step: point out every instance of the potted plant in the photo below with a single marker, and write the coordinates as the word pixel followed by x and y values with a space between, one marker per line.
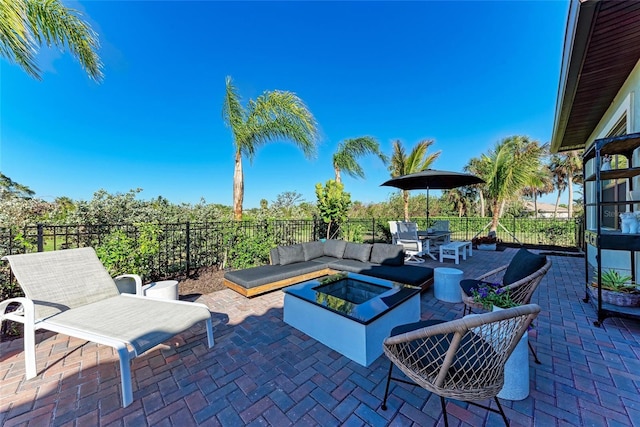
pixel 617 289
pixel 492 294
pixel 486 243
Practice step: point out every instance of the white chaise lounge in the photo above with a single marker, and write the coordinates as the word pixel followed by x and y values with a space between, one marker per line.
pixel 71 293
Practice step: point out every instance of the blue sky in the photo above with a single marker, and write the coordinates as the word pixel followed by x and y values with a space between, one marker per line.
pixel 465 74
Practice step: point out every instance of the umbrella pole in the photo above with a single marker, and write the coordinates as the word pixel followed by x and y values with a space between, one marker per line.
pixel 427 225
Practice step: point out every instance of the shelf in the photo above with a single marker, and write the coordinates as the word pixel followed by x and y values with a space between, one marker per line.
pixel 627 202
pixel 624 144
pixel 615 174
pixel 613 240
pixel 611 309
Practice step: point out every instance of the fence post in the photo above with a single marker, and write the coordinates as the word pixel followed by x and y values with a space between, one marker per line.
pixel 40 238
pixel 188 238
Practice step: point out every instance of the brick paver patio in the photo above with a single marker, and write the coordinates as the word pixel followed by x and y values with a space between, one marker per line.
pixel 264 372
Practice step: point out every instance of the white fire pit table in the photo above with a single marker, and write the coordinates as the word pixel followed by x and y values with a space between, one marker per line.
pixel 351 313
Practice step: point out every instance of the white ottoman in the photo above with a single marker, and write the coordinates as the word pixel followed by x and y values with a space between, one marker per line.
pixel 164 289
pixel 446 284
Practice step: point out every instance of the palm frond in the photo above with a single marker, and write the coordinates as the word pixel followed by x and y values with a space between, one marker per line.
pixel 349 150
pixel 53 23
pixel 17 43
pixel 233 114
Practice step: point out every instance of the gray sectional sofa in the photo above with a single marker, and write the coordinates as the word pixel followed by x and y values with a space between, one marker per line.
pixel 296 263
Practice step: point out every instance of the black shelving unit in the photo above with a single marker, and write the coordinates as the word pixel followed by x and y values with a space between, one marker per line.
pixel 611 238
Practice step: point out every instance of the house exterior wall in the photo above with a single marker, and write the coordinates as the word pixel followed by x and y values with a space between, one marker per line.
pixel 626 101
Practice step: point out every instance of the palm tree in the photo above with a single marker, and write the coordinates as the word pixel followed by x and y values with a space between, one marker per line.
pixel 349 150
pixel 403 164
pixel 541 183
pixel 26 24
pixel 511 165
pixel 479 167
pixel 559 177
pixel 274 115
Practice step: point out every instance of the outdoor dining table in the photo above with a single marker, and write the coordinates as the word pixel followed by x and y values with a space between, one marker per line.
pixel 430 238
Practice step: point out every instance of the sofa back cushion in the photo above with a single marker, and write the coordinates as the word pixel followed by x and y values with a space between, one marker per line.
pixel 290 254
pixel 357 251
pixel 274 256
pixel 313 250
pixel 385 254
pixel 334 248
pixel 522 265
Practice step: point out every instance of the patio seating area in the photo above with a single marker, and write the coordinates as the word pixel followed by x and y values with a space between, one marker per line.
pixel 264 372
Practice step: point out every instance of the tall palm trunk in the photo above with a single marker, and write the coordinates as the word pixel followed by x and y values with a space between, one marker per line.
pixel 238 187
pixel 535 204
pixel 405 199
pixel 482 206
pixel 570 204
pixel 495 210
pixel 337 171
pixel 555 209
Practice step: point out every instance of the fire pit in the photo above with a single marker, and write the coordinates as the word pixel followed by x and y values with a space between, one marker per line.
pixel 351 313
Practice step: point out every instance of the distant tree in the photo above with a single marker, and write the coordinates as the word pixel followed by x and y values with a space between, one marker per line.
pixel 416 161
pixel 559 178
pixel 28 24
pixel 10 188
pixel 345 158
pixel 541 183
pixel 286 204
pixel 509 169
pixel 479 166
pixel 273 116
pixel 333 205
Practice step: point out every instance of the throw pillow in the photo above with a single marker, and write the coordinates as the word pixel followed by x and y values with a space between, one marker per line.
pixel 313 250
pixel 357 251
pixel 290 254
pixel 334 248
pixel 274 256
pixel 522 265
pixel 385 254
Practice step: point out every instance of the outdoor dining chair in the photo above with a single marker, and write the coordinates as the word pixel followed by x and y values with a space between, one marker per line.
pixel 462 359
pixel 70 292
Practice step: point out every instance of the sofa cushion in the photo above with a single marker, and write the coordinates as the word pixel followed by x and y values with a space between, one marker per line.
pixel 350 265
pixel 326 260
pixel 522 265
pixel 312 250
pixel 258 276
pixel 407 274
pixel 290 254
pixel 334 248
pixel 274 256
pixel 385 254
pixel 357 251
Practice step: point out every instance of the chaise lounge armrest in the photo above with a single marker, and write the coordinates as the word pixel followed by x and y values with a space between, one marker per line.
pixel 129 283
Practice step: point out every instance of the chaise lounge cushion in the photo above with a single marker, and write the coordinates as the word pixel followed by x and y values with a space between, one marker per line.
pixel 386 254
pixel 335 248
pixel 523 264
pixel 291 254
pixel 312 250
pixel 357 251
pixel 258 276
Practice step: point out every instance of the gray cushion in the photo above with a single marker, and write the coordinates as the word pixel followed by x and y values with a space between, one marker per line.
pixel 312 250
pixel 290 254
pixel 334 248
pixel 326 260
pixel 522 265
pixel 385 254
pixel 258 276
pixel 350 265
pixel 357 251
pixel 407 274
pixel 274 256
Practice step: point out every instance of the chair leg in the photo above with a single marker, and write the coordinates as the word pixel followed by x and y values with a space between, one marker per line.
pixel 444 411
pixel 386 390
pixel 125 376
pixel 504 417
pixel 533 352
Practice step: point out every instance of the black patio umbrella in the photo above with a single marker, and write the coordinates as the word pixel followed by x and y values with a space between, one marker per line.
pixel 435 179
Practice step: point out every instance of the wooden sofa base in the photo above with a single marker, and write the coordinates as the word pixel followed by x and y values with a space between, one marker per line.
pixel 251 292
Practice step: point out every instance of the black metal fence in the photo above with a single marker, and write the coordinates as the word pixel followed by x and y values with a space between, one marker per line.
pixel 184 247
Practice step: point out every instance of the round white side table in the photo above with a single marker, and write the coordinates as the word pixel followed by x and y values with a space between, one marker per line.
pixel 446 284
pixel 164 289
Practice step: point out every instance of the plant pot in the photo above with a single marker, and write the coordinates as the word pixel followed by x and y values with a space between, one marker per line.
pixel 487 246
pixel 622 299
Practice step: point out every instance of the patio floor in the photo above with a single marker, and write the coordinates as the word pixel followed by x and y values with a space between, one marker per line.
pixel 264 372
